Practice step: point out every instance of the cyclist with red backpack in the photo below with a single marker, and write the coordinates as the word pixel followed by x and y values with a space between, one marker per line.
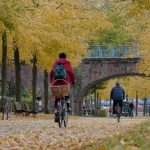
pixel 62 70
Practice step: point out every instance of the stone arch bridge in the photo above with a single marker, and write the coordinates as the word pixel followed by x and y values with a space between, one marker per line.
pixel 93 71
pixel 97 70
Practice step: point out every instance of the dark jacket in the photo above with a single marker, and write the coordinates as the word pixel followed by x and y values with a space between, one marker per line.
pixel 131 105
pixel 117 93
pixel 70 72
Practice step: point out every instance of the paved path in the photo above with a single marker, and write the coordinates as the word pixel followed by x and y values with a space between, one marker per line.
pixel 16 127
pixel 41 133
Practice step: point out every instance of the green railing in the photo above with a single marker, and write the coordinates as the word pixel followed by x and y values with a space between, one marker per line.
pixel 100 51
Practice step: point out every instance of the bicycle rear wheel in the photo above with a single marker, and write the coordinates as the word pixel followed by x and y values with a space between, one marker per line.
pixel 63 114
pixel 63 119
pixel 58 115
pixel 66 119
pixel 118 114
pixel 118 117
pixel 60 119
pixel 7 110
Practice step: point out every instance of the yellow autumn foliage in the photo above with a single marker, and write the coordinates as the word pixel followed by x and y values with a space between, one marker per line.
pixel 137 25
pixel 131 85
pixel 50 27
pixel 137 14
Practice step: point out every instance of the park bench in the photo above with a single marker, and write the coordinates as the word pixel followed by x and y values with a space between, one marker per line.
pixel 19 108
pixel 28 111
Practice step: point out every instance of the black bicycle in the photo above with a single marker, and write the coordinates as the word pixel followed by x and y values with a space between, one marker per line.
pixel 7 108
pixel 62 112
pixel 118 111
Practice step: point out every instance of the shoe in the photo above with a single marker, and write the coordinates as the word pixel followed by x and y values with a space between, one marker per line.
pixel 56 118
pixel 114 115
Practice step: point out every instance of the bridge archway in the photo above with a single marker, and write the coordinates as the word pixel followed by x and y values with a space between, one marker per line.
pixel 97 70
pixel 94 83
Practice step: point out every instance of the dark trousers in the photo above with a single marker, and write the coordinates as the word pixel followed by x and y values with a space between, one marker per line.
pixel 57 100
pixel 115 102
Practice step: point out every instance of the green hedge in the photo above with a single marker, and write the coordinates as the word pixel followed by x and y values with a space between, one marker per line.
pixel 27 100
pixel 101 113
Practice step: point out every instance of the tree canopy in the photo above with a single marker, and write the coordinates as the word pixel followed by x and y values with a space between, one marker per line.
pixel 131 85
pixel 49 27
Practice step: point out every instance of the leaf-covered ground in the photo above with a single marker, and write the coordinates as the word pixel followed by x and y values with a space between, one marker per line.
pixel 138 139
pixel 41 133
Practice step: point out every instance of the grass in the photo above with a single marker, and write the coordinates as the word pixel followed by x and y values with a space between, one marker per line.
pixel 138 139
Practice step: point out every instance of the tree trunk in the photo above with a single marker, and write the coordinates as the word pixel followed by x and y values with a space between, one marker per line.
pixel 110 102
pixel 34 81
pixel 136 106
pixel 4 63
pixel 97 100
pixel 149 111
pixel 4 67
pixel 11 88
pixel 95 112
pixel 46 91
pixel 17 71
pixel 100 104
pixel 127 98
pixel 72 100
pixel 144 109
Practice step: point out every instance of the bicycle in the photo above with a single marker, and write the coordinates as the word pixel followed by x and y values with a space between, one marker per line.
pixel 62 112
pixel 7 108
pixel 61 91
pixel 118 111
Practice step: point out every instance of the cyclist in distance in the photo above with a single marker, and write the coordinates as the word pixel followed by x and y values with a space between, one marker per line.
pixel 131 109
pixel 62 70
pixel 117 95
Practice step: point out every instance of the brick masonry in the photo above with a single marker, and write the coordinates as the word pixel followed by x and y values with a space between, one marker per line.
pixel 97 70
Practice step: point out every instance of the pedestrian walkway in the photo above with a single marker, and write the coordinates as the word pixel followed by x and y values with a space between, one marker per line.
pixel 15 127
pixel 42 133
